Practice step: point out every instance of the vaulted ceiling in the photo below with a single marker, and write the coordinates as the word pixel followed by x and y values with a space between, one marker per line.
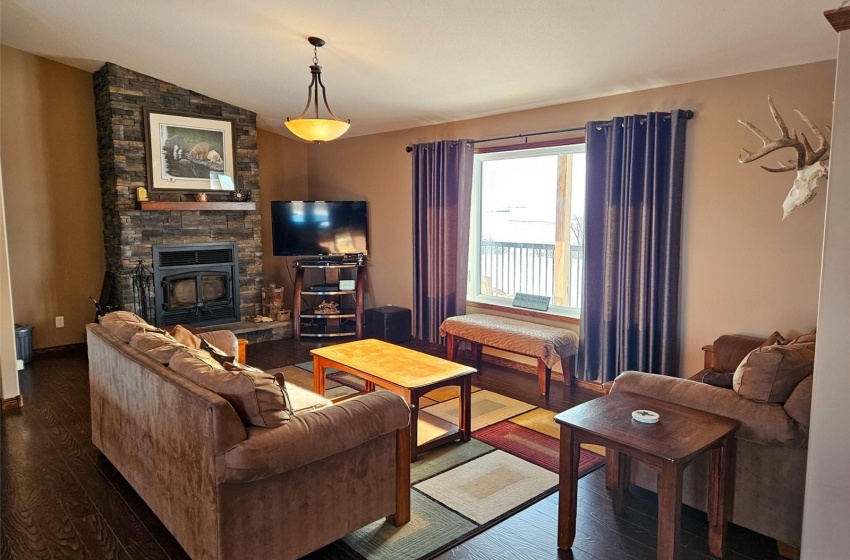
pixel 394 64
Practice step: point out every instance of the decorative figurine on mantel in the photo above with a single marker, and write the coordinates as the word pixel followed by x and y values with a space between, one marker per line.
pixel 142 194
pixel 327 308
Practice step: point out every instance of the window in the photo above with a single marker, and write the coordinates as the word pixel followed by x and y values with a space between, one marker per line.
pixel 527 226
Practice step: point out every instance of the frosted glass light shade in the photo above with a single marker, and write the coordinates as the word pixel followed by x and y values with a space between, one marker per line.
pixel 317 130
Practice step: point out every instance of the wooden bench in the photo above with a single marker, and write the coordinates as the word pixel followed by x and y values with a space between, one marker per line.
pixel 548 344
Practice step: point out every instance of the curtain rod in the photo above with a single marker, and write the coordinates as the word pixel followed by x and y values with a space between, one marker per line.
pixel 687 114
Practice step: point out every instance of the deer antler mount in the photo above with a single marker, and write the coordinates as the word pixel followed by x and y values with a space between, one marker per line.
pixel 809 163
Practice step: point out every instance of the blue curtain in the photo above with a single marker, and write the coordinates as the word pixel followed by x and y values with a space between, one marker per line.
pixel 442 196
pixel 630 308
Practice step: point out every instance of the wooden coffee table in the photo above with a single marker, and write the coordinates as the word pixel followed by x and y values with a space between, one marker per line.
pixel 405 372
pixel 680 435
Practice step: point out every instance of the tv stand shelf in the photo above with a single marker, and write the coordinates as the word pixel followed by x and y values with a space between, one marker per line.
pixel 330 264
pixel 329 316
pixel 349 321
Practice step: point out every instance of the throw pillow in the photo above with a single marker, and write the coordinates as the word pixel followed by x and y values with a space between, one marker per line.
pixel 125 325
pixel 272 397
pixel 718 379
pixel 771 373
pixel 216 353
pixel 775 338
pixel 159 346
pixel 258 398
pixel 186 337
pixel 808 338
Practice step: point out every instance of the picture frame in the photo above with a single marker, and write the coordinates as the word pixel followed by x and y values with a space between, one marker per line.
pixel 189 153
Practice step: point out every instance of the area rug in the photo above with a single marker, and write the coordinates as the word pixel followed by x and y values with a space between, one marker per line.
pixel 487 408
pixel 461 489
pixel 457 492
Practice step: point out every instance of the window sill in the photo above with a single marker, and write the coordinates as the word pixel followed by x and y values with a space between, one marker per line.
pixel 523 312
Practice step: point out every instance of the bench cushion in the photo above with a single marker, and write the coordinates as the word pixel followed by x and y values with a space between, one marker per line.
pixel 541 341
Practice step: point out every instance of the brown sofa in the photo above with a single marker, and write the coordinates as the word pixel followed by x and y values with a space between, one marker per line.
pixel 230 491
pixel 772 442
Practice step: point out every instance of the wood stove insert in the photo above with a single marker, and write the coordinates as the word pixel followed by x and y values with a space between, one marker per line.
pixel 196 284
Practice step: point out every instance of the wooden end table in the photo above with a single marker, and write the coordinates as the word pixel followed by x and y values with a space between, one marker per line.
pixel 668 446
pixel 405 372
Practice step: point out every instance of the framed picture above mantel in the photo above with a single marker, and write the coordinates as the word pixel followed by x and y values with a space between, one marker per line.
pixel 189 153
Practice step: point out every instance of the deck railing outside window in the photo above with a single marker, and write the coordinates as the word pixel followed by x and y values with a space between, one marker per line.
pixel 508 268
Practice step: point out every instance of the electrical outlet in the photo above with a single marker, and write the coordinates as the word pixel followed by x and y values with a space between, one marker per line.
pixel 60 322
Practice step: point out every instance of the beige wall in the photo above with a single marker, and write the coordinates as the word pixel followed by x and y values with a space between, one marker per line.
pixel 283 176
pixel 827 507
pixel 48 146
pixel 743 269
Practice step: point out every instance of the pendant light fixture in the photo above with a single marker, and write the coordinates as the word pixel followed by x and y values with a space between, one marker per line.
pixel 313 128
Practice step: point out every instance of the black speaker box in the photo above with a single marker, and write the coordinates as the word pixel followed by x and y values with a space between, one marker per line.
pixel 388 323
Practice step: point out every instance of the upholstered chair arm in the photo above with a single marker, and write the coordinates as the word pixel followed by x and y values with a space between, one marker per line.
pixel 223 340
pixel 315 435
pixel 763 423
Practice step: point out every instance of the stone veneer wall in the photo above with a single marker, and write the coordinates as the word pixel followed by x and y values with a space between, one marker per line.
pixel 121 95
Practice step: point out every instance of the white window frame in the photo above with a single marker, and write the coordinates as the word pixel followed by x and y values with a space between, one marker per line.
pixel 474 276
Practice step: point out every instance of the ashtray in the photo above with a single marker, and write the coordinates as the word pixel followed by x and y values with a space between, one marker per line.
pixel 645 416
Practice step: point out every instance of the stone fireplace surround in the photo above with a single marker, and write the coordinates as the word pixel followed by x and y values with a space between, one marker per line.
pixel 121 95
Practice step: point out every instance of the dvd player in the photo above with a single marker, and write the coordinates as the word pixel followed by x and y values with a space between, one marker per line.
pixel 333 260
pixel 324 288
pixel 318 263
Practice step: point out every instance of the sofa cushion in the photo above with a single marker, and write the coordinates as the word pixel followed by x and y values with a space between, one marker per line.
pixel 159 346
pixel 799 404
pixel 186 337
pixel 304 400
pixel 770 373
pixel 124 325
pixel 315 436
pixel 255 395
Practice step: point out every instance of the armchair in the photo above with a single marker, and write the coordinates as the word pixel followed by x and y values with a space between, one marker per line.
pixel 771 444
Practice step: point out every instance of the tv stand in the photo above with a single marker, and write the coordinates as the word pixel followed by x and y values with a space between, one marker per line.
pixel 307 322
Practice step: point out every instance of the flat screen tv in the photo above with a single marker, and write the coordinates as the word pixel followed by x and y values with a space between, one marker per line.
pixel 302 228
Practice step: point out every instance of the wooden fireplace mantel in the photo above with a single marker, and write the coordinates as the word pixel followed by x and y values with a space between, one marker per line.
pixel 159 205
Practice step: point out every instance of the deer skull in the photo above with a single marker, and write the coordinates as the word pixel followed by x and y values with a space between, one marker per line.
pixel 808 165
pixel 803 190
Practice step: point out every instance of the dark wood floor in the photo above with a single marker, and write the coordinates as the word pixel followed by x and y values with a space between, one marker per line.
pixel 62 499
